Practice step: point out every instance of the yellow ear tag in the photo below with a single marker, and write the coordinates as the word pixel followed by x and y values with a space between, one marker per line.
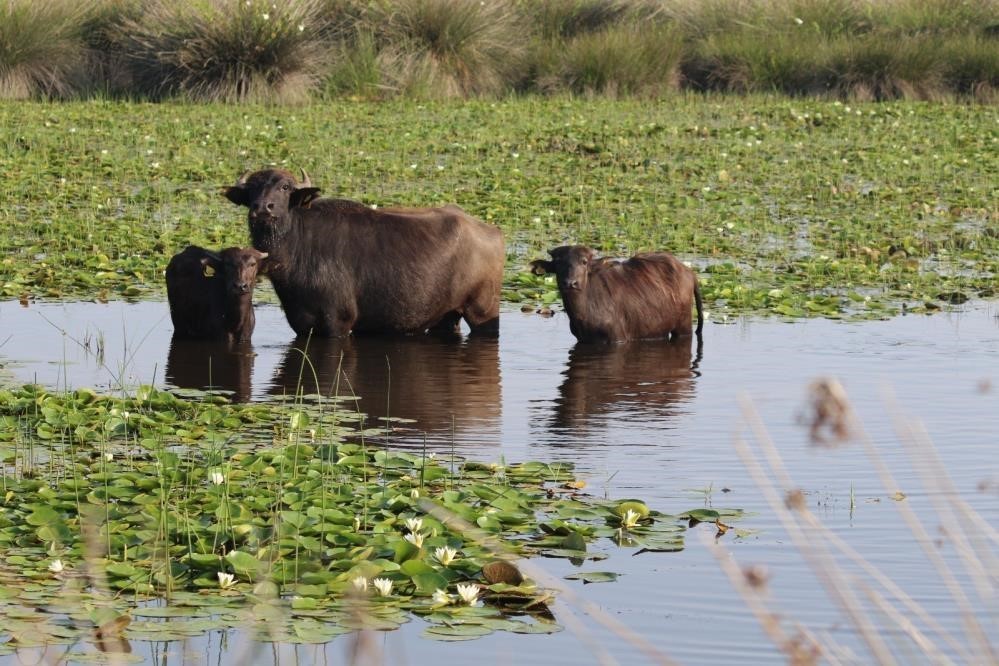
pixel 209 271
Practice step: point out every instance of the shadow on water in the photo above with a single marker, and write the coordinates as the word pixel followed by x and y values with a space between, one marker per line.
pixel 648 381
pixel 211 365
pixel 438 383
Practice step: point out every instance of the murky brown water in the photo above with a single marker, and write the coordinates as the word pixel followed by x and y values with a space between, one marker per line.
pixel 645 420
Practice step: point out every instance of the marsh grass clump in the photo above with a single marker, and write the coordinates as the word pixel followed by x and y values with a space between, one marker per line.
pixel 355 69
pixel 224 51
pixel 912 17
pixel 971 67
pixel 625 59
pixel 40 48
pixel 107 64
pixel 446 48
pixel 565 19
pixel 747 62
pixel 875 68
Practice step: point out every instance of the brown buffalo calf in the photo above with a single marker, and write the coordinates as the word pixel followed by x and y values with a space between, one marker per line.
pixel 647 296
pixel 211 294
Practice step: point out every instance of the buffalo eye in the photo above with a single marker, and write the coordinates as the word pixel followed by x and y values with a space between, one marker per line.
pixel 286 187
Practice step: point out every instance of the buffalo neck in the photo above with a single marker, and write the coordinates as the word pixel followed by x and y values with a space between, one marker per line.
pixel 575 303
pixel 239 317
pixel 271 236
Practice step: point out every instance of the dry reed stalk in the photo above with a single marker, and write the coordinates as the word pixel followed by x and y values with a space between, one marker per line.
pixel 820 547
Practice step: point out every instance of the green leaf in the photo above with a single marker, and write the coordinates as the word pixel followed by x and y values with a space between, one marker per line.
pixel 243 563
pixel 593 576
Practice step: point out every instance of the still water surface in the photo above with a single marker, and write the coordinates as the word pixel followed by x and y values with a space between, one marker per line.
pixel 644 420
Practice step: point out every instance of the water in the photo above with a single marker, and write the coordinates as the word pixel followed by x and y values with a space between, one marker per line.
pixel 645 420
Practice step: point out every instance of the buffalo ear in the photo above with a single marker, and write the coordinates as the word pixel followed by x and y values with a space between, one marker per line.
pixel 236 194
pixel 211 265
pixel 303 196
pixel 542 266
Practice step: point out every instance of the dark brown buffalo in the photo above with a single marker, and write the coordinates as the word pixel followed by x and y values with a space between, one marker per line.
pixel 340 266
pixel 211 294
pixel 648 381
pixel 648 296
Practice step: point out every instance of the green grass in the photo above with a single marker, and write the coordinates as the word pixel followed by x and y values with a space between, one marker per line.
pixel 796 208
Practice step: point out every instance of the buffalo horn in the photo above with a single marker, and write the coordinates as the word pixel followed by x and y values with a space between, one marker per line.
pixel 306 182
pixel 242 179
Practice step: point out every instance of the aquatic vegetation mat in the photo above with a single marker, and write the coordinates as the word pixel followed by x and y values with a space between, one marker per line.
pixel 796 208
pixel 120 513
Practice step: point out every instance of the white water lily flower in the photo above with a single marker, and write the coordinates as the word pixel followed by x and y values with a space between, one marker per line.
pixel 468 592
pixel 414 493
pixel 441 597
pixel 445 554
pixel 360 583
pixel 226 580
pixel 56 566
pixel 383 585
pixel 414 524
pixel 631 518
pixel 109 456
pixel 217 478
pixel 415 538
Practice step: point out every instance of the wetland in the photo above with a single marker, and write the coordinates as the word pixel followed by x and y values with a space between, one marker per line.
pixel 847 241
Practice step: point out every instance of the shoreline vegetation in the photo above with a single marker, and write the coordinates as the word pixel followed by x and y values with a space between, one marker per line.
pixel 786 207
pixel 302 50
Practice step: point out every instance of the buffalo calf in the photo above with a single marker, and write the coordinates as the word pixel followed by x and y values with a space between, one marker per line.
pixel 339 266
pixel 648 296
pixel 211 293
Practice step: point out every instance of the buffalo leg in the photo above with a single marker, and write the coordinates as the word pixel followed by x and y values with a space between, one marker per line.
pixel 450 324
pixel 482 310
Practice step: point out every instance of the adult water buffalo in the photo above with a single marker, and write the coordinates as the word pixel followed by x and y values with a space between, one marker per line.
pixel 340 266
pixel 211 294
pixel 648 296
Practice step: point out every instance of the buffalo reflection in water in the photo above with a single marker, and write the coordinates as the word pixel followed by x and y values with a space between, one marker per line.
pixel 648 380
pixel 211 365
pixel 436 381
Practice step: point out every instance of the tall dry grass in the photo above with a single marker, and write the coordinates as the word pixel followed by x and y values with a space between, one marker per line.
pixel 261 51
pixel 621 60
pixel 226 51
pixel 445 48
pixel 891 625
pixel 41 49
pixel 858 49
